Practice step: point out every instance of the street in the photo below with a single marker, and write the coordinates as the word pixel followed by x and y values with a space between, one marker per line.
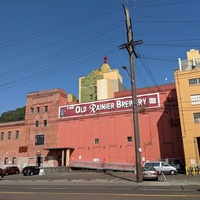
pixel 96 186
pixel 104 192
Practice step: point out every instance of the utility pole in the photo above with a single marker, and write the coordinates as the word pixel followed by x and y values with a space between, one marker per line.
pixel 130 48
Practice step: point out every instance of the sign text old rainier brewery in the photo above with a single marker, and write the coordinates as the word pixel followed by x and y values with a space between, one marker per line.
pixel 110 105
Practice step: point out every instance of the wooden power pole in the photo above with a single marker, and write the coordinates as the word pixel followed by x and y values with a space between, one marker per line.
pixel 130 48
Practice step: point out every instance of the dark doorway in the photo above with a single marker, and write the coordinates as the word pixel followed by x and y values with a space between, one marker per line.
pixel 38 160
pixel 65 160
pixel 59 160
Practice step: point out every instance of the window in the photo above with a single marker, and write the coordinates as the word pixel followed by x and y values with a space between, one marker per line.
pixel 45 108
pixel 39 139
pixel 9 135
pixel 129 139
pixel 152 164
pixel 96 141
pixel 17 135
pixel 91 96
pixel 32 110
pixel 195 99
pixel 14 160
pixel 196 117
pixel 6 161
pixel 95 89
pixel 36 123
pixel 45 122
pixel 194 81
pixel 156 164
pixel 165 165
pixel 2 135
pixel 38 109
pixel 148 164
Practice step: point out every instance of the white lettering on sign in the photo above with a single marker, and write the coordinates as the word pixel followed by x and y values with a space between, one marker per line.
pixel 111 105
pixel 129 104
pixel 94 107
pixel 141 102
pixel 152 100
pixel 80 109
pixel 124 104
pixel 70 107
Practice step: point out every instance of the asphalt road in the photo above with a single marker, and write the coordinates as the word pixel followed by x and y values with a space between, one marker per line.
pixel 97 186
pixel 81 191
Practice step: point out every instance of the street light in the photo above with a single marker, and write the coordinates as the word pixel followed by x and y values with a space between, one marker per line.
pixel 125 68
pixel 135 122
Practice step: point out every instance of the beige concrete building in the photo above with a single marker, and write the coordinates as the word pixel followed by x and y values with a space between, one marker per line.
pixel 100 84
pixel 187 80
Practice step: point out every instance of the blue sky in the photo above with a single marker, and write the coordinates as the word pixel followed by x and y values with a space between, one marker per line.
pixel 47 44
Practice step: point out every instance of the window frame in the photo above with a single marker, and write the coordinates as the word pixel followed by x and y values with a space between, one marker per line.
pixel 9 135
pixel 46 109
pixel 196 117
pixel 14 159
pixel 6 161
pixel 194 81
pixel 17 134
pixel 2 135
pixel 38 109
pixel 129 139
pixel 96 140
pixel 45 122
pixel 37 123
pixel 32 110
pixel 39 139
pixel 195 99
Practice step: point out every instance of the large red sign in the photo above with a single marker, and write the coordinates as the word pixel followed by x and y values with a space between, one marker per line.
pixel 110 105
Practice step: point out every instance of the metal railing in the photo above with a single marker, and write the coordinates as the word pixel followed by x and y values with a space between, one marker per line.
pixel 103 166
pixel 190 64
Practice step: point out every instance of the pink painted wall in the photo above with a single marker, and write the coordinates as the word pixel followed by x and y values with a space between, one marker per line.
pixel 160 139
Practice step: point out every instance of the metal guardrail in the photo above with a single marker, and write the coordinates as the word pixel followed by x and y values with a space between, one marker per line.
pixel 102 166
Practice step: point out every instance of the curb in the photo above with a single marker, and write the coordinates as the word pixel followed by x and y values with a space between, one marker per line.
pixel 99 182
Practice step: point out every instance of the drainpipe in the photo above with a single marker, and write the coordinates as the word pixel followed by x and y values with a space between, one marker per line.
pixel 196 151
pixel 179 63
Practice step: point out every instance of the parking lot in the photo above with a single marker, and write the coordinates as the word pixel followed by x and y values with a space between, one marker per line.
pixel 87 176
pixel 111 176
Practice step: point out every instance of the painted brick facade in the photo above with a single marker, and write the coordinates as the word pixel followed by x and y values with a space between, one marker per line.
pixel 109 137
pixel 41 109
pixel 46 139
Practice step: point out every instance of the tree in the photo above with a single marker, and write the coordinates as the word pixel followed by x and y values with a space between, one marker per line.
pixel 13 115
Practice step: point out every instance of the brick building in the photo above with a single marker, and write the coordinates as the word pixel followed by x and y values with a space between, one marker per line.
pixel 22 143
pixel 57 132
pixel 102 131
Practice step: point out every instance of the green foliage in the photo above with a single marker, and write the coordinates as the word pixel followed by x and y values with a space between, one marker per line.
pixel 13 115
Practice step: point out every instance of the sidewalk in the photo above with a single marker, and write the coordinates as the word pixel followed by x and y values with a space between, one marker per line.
pixel 181 179
pixel 166 180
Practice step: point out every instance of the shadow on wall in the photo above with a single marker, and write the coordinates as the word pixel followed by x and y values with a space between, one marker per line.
pixel 169 129
pixel 54 158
